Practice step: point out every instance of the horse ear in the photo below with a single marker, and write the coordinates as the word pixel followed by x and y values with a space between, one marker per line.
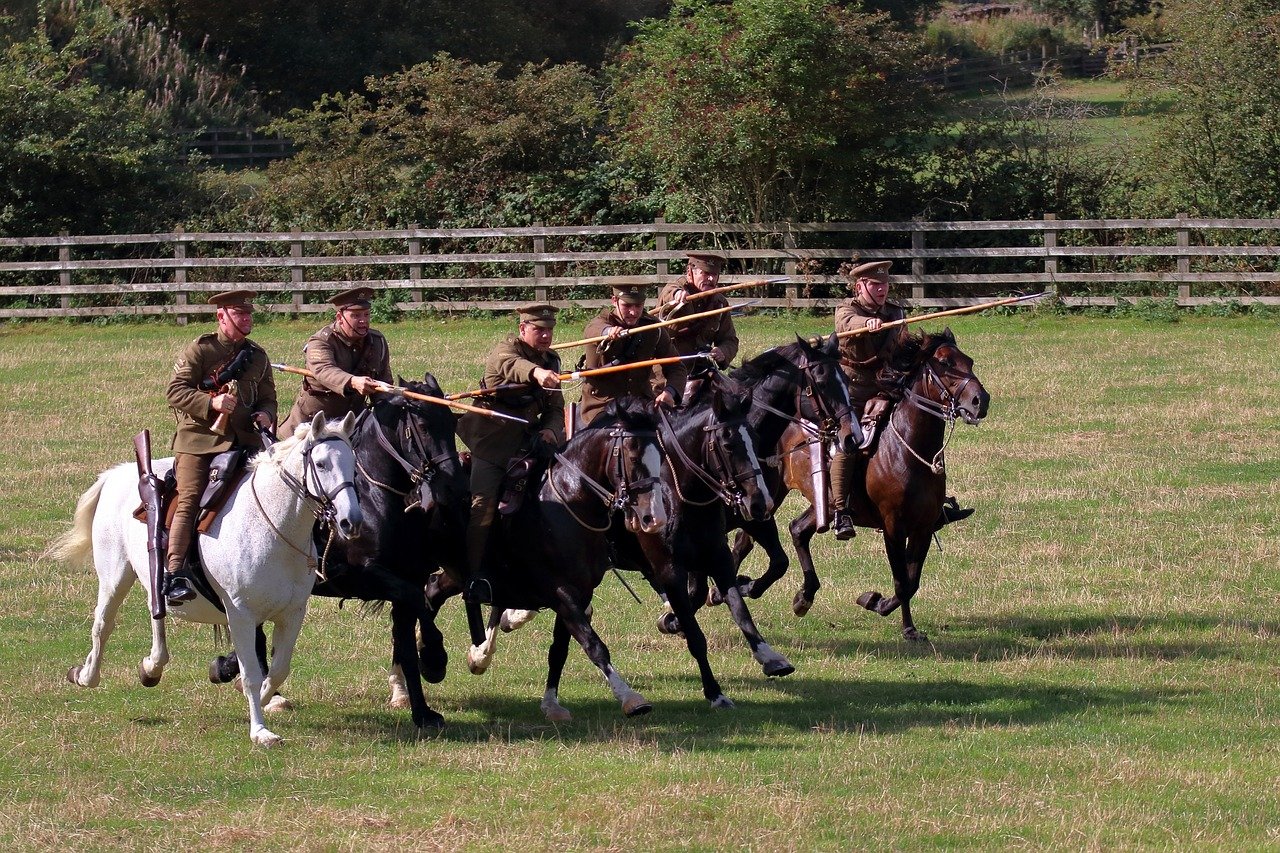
pixel 831 346
pixel 348 424
pixel 947 335
pixel 317 424
pixel 399 379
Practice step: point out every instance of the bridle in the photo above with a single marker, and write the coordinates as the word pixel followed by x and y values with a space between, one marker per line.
pixel 626 487
pixel 946 408
pixel 422 473
pixel 725 485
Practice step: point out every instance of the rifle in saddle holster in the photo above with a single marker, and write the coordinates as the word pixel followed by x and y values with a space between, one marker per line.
pixel 820 474
pixel 151 490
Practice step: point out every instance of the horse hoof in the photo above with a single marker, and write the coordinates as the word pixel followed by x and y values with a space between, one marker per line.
pixel 263 737
pixel 221 670
pixel 801 604
pixel 73 675
pixel 477 663
pixel 669 624
pixel 433 675
pixel 276 704
pixel 869 600
pixel 557 713
pixel 722 701
pixel 399 703
pixel 512 620
pixel 636 706
pixel 914 636
pixel 147 679
pixel 431 720
pixel 714 597
pixel 778 668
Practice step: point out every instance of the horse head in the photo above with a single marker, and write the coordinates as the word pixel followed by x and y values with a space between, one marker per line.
pixel 432 429
pixel 824 399
pixel 328 472
pixel 716 435
pixel 938 377
pixel 626 451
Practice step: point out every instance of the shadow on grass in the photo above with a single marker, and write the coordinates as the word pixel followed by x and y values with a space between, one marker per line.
pixel 1004 637
pixel 796 704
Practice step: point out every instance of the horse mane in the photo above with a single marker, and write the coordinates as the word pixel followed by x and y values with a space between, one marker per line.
pixel 736 395
pixel 631 412
pixel 766 363
pixel 279 451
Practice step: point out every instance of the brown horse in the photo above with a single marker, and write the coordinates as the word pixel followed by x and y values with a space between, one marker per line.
pixel 901 487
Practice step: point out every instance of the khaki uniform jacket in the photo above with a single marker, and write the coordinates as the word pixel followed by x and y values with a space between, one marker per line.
pixel 204 357
pixel 495 440
pixel 597 391
pixel 334 360
pixel 862 355
pixel 700 335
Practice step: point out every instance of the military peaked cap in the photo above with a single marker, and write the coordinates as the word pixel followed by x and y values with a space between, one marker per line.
pixel 629 293
pixel 356 297
pixel 233 299
pixel 540 314
pixel 874 269
pixel 707 261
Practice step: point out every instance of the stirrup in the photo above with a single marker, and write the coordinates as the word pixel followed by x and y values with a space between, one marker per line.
pixel 479 591
pixel 177 588
pixel 842 524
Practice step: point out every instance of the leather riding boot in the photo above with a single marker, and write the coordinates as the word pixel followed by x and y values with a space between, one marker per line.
pixel 479 589
pixel 952 511
pixel 192 473
pixel 842 465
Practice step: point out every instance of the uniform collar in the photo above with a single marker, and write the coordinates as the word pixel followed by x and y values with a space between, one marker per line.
pixel 337 333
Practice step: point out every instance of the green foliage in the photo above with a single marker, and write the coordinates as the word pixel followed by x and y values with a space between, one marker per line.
pixel 944 36
pixel 1218 149
pixel 1110 14
pixel 383 309
pixel 759 110
pixel 77 155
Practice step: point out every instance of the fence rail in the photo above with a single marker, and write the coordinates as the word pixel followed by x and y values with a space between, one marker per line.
pixel 939 264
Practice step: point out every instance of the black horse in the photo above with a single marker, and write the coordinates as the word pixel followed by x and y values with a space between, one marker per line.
pixel 553 553
pixel 410 483
pixel 711 466
pixel 901 488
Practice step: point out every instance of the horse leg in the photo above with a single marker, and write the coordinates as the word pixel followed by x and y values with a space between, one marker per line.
pixel 578 623
pixel 721 563
pixel 480 656
pixel 152 666
pixel 113 585
pixel 432 657
pixel 764 532
pixel 242 627
pixel 802 530
pixel 906 585
pixel 284 638
pixel 404 654
pixel 514 620
pixel 557 654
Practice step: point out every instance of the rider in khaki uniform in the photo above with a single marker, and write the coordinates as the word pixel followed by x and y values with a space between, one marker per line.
pixel 626 311
pixel 715 333
pixel 249 402
pixel 348 359
pixel 525 358
pixel 861 357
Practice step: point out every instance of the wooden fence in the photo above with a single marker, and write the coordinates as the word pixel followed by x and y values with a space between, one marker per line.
pixel 937 264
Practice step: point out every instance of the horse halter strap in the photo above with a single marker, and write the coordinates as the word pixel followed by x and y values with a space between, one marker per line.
pixel 422 472
pixel 622 496
pixel 725 488
pixel 828 421
pixel 948 408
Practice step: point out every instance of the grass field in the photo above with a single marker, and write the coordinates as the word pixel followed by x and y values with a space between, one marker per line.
pixel 1101 672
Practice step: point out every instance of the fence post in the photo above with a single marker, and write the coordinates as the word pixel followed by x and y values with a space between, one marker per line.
pixel 917 262
pixel 180 274
pixel 660 243
pixel 789 267
pixel 64 277
pixel 415 270
pixel 539 268
pixel 295 272
pixel 1184 261
pixel 1050 261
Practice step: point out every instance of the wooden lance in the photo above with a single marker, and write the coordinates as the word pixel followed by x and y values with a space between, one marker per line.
pixel 583 374
pixel 967 309
pixel 635 330
pixel 387 388
pixel 713 291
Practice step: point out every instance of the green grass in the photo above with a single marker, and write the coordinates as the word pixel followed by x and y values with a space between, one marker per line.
pixel 1110 118
pixel 1101 671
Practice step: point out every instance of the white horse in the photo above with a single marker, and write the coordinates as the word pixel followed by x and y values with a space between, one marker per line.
pixel 255 554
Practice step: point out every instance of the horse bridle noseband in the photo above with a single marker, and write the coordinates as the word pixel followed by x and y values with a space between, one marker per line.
pixel 623 495
pixel 424 472
pixel 946 410
pixel 724 487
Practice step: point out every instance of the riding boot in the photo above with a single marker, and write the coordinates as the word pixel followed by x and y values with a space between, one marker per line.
pixel 177 580
pixel 479 589
pixel 842 465
pixel 192 473
pixel 952 511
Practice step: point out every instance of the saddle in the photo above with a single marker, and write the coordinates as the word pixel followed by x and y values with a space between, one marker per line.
pixel 225 472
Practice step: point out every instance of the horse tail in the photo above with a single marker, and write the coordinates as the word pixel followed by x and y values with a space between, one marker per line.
pixel 75 547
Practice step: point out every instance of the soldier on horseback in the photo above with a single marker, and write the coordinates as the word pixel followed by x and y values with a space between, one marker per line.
pixel 861 357
pixel 527 361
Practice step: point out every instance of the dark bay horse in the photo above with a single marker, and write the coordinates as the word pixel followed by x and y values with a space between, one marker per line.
pixel 554 553
pixel 410 482
pixel 711 468
pixel 901 488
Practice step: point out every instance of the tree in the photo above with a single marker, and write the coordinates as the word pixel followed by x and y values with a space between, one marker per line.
pixel 759 110
pixel 1216 151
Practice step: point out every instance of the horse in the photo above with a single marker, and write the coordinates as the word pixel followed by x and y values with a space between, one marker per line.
pixel 254 554
pixel 414 496
pixel 712 469
pixel 553 555
pixel 901 489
